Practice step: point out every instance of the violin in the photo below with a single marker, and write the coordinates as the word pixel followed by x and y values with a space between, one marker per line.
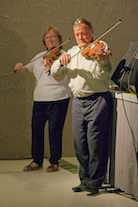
pixel 54 54
pixel 90 52
pixel 51 57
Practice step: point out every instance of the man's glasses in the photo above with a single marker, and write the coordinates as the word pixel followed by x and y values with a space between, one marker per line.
pixel 85 21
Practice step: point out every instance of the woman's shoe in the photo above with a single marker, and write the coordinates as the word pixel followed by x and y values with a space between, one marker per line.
pixel 32 166
pixel 52 168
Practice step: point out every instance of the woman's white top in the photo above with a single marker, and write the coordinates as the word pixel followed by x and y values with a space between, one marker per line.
pixel 46 87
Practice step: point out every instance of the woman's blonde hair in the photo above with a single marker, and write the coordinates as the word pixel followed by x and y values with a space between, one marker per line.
pixel 55 30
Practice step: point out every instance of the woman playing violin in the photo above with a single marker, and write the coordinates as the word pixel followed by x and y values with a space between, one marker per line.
pixel 51 98
pixel 89 82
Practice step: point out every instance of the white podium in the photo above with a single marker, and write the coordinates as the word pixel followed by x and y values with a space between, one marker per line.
pixel 124 143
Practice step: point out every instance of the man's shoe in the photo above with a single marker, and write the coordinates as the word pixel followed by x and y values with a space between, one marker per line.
pixel 82 188
pixel 79 188
pixel 92 189
pixel 93 192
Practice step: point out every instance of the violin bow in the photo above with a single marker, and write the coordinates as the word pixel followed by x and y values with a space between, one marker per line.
pixel 48 52
pixel 111 28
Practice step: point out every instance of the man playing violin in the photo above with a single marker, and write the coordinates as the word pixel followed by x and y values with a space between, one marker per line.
pixel 51 99
pixel 89 82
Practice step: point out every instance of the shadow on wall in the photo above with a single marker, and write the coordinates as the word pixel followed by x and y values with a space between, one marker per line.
pixel 15 98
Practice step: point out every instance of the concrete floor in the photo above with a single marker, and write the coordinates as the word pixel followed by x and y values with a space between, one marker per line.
pixel 43 189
